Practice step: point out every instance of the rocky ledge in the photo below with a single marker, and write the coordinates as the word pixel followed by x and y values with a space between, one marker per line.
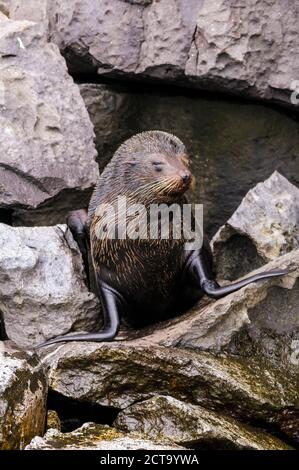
pixel 233 46
pixel 223 375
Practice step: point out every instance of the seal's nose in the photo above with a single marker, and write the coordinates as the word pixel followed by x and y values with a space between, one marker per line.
pixel 186 177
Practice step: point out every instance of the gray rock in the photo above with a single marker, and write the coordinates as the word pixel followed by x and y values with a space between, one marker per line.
pixel 46 137
pixel 112 113
pixel 236 46
pixel 121 373
pixel 42 285
pixel 260 320
pixel 152 38
pixel 96 437
pixel 23 392
pixel 243 47
pixel 264 226
pixel 191 425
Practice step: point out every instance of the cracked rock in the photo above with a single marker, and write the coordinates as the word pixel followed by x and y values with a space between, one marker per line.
pixel 23 392
pixel 234 46
pixel 42 285
pixel 245 388
pixel 264 226
pixel 192 426
pixel 47 153
pixel 260 320
pixel 92 436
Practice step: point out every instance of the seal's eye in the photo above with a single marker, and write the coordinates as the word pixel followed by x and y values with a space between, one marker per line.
pixel 131 162
pixel 158 165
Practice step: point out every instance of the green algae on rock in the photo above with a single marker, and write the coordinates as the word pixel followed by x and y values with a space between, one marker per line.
pixel 193 426
pixel 23 391
pixel 242 387
pixel 92 436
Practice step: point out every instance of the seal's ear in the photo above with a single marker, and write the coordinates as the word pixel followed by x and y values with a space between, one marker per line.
pixel 186 160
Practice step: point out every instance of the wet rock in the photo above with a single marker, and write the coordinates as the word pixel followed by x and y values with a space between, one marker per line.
pixel 53 420
pixel 265 226
pixel 42 285
pixel 121 373
pixel 192 426
pixel 223 45
pixel 46 145
pixel 23 391
pixel 112 112
pixel 95 437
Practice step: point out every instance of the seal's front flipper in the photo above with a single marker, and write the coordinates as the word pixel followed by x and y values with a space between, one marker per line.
pixel 211 287
pixel 76 221
pixel 111 302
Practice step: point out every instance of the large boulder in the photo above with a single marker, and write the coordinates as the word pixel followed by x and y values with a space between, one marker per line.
pixel 240 387
pixel 47 153
pixel 226 45
pixel 247 47
pixel 23 393
pixel 260 320
pixel 92 436
pixel 264 226
pixel 42 285
pixel 192 426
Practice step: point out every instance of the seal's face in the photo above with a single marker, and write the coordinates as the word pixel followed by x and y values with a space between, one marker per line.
pixel 167 176
pixel 172 173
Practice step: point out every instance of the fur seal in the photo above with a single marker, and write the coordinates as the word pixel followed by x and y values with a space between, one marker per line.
pixel 137 278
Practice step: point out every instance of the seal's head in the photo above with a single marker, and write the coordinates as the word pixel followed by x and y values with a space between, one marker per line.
pixel 155 165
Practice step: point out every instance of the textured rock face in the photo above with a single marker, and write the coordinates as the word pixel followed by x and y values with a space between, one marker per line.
pixel 247 46
pixel 229 45
pixel 265 226
pixel 191 426
pixel 46 144
pixel 261 320
pixel 153 38
pixel 112 113
pixel 242 387
pixel 23 391
pixel 255 331
pixel 42 289
pixel 95 437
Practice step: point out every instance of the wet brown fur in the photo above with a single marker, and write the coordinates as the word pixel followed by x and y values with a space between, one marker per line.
pixel 132 266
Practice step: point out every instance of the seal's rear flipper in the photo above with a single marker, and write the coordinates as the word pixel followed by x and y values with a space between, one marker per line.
pixel 111 302
pixel 76 221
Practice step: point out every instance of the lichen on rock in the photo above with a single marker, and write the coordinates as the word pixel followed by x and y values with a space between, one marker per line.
pixel 23 392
